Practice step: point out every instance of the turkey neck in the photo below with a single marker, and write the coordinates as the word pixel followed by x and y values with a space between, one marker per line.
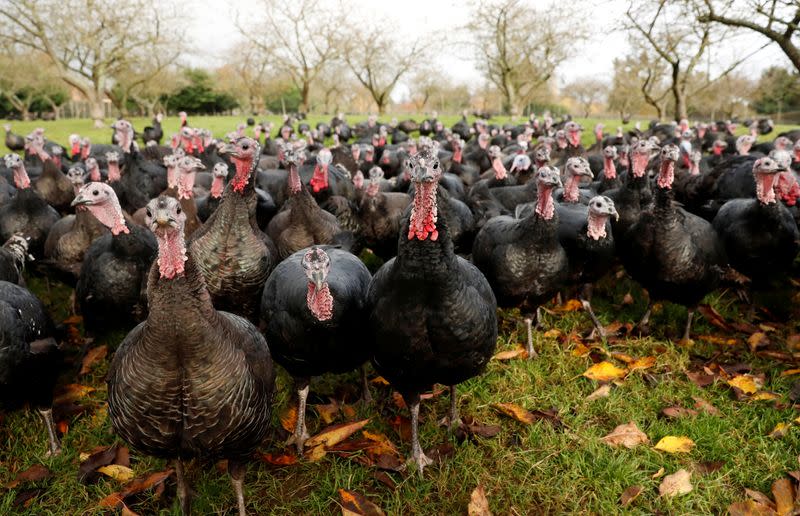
pixel 427 260
pixel 236 208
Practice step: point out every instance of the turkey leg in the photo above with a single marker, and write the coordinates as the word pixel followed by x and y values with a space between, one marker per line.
pixel 452 420
pixel 366 396
pixel 586 296
pixel 529 327
pixel 183 488
pixel 300 434
pixel 237 470
pixel 417 455
pixel 688 329
pixel 644 324
pixel 52 436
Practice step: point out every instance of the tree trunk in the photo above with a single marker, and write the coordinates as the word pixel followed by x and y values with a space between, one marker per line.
pixel 678 92
pixel 304 94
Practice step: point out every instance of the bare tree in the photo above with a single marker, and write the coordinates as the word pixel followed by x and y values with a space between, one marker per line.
pixel 586 92
pixel 90 42
pixel 297 39
pixel 626 95
pixel 245 75
pixel 776 20
pixel 378 60
pixel 660 25
pixel 519 47
pixel 28 77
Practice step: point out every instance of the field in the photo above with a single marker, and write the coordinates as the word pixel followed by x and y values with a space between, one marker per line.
pixel 745 437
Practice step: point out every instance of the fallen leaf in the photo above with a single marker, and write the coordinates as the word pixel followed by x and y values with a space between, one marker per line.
pixel 704 406
pixel 123 457
pixel 289 418
pixel 779 430
pixel 433 394
pixel 315 454
pixel 629 495
pixel 117 472
pixel 572 305
pixel 676 412
pixel 759 497
pixel 349 412
pixel 604 371
pixel 704 468
pixel 473 427
pixel 627 299
pixel 749 508
pixel 381 445
pixel 72 391
pixel 511 354
pixel 713 317
pixel 676 484
pixel 700 378
pixel 673 444
pixel 552 334
pixel 136 486
pixel 601 392
pixel 478 504
pixel 622 357
pixel 515 411
pixel 581 350
pixel 767 328
pixel 658 473
pixel 356 504
pixel 642 363
pixel 92 357
pixel 87 472
pixel 385 479
pixel 379 380
pixel 335 434
pixel 790 372
pixel 783 491
pixel 745 383
pixel 34 473
pixel 127 512
pixel 278 460
pixel 398 400
pixel 627 435
pixel 756 340
pixel 764 396
pixel 25 497
pixel 327 412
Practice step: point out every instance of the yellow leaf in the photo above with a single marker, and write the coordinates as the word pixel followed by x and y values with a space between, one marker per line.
pixel 316 453
pixel 335 434
pixel 581 350
pixel 658 473
pixel 779 430
pixel 602 392
pixel 511 353
pixel 552 334
pixel 790 372
pixel 643 363
pixel 117 472
pixel 289 418
pixel 93 356
pixel 627 435
pixel 572 305
pixel 757 339
pixel 478 504
pixel 783 491
pixel 622 357
pixel 379 380
pixel 327 412
pixel 515 411
pixel 676 484
pixel 604 371
pixel 673 444
pixel 744 382
pixel 764 396
pixel 357 504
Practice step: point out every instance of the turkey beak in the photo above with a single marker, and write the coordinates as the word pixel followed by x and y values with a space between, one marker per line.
pixel 318 277
pixel 613 212
pixel 229 149
pixel 163 219
pixel 80 200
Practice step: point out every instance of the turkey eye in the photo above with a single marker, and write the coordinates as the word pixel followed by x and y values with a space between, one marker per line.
pixel 95 192
pixel 245 146
pixel 435 166
pixel 178 211
pixel 149 213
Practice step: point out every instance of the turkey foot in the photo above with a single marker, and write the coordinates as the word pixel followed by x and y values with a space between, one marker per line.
pixel 52 437
pixel 184 492
pixel 529 325
pixel 366 396
pixel 300 435
pixel 417 455
pixel 237 470
pixel 644 325
pixel 452 420
pixel 585 297
pixel 688 329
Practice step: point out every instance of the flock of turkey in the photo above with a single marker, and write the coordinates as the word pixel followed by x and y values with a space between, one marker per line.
pixel 220 256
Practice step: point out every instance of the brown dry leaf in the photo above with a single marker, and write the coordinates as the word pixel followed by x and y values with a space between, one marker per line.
pixel 92 357
pixel 473 427
pixel 676 412
pixel 34 473
pixel 127 512
pixel 278 460
pixel 746 383
pixel 766 328
pixel 379 380
pixel 713 317
pixel 675 444
pixel 790 372
pixel 779 430
pixel 356 504
pixel 622 357
pixel 433 394
pixel 478 504
pixel 289 418
pixel 123 456
pixel 117 472
pixel 335 434
pixel 793 342
pixel 629 495
pixel 759 497
pixel 581 350
pixel 704 406
pixel 783 491
pixel 315 454
pixel 642 363
pixel 134 487
pixel 327 412
pixel 604 372
pixel 349 412
pixel 398 400
pixel 658 474
pixel 704 468
pixel 72 391
pixel 627 299
pixel 553 333
pixel 700 378
pixel 676 484
pixel 627 435
pixel 749 508
pixel 757 340
pixel 515 411
pixel 87 472
pixel 765 396
pixel 602 392
pixel 382 445
pixel 511 354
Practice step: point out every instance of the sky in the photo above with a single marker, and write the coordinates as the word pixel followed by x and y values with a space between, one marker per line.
pixel 213 30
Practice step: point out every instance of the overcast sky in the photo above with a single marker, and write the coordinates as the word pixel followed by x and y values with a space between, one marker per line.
pixel 213 30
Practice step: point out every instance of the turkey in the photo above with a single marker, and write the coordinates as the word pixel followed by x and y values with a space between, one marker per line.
pixel 380 215
pixel 27 213
pixel 760 234
pixel 190 381
pixel 314 307
pixel 233 254
pixel 675 255
pixel 523 258
pixel 14 142
pixel 13 255
pixel 29 356
pixel 208 204
pixel 634 195
pixel 113 277
pixel 154 133
pixel 432 313
pixel 54 186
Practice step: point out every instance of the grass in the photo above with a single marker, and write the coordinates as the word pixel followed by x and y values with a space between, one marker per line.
pixel 59 130
pixel 525 469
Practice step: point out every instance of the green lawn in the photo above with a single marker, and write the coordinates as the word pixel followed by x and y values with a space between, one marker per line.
pixel 60 130
pixel 526 469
